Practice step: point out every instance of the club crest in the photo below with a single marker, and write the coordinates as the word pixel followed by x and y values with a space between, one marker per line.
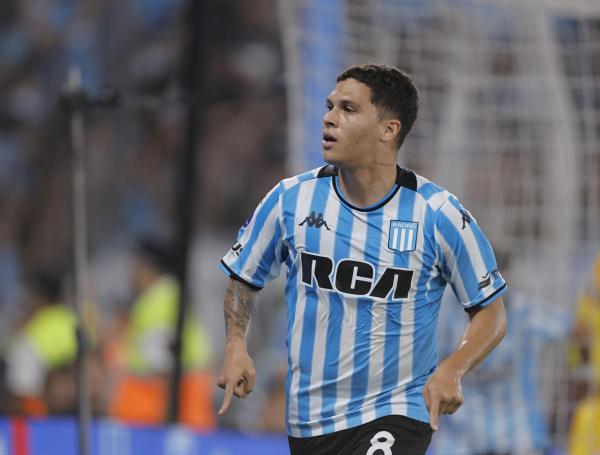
pixel 403 235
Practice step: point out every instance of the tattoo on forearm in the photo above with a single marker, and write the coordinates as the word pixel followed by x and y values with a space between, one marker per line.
pixel 239 304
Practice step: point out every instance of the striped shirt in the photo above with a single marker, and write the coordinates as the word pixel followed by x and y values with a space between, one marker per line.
pixel 363 291
pixel 503 410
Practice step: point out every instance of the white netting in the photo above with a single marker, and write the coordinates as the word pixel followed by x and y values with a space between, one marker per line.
pixel 509 120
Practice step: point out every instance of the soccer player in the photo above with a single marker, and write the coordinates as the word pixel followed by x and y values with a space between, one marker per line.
pixel 369 248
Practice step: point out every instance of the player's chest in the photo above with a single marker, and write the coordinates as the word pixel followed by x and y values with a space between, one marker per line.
pixel 366 254
pixel 376 238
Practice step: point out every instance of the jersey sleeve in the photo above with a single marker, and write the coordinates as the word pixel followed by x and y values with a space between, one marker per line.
pixel 467 260
pixel 257 255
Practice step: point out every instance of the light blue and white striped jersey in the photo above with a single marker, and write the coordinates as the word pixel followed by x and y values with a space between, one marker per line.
pixel 503 410
pixel 363 291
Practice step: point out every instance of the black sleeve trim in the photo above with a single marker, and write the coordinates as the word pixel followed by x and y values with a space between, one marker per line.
pixel 480 304
pixel 235 276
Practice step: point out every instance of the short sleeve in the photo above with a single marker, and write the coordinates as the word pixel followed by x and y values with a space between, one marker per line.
pixel 257 255
pixel 467 260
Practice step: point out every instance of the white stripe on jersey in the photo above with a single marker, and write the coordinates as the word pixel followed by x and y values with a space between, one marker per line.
pixel 346 365
pixel 327 244
pixel 305 193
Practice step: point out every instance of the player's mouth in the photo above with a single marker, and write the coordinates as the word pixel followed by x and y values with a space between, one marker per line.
pixel 328 140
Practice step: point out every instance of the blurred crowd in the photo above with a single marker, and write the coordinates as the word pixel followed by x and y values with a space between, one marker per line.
pixel 137 47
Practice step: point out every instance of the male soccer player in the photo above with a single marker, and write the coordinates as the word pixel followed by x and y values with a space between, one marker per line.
pixel 369 248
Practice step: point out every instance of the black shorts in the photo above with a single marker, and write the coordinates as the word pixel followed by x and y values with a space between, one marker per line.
pixel 389 435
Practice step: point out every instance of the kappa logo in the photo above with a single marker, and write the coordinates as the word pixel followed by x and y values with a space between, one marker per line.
pixel 315 220
pixel 466 218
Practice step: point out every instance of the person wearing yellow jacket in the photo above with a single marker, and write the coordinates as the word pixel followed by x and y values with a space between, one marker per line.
pixel 141 393
pixel 46 344
pixel 584 437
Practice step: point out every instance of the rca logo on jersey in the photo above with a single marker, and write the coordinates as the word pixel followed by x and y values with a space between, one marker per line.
pixel 403 236
pixel 354 277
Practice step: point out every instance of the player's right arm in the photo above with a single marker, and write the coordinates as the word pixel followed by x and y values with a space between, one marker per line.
pixel 254 259
pixel 238 373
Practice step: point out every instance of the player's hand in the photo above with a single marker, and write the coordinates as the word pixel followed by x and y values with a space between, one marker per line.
pixel 443 394
pixel 237 374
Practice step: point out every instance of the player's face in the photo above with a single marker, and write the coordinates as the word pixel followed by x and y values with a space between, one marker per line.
pixel 351 126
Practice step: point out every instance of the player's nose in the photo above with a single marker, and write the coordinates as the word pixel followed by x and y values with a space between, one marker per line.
pixel 330 118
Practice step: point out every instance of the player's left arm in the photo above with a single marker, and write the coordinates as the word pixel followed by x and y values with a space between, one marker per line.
pixel 468 263
pixel 443 391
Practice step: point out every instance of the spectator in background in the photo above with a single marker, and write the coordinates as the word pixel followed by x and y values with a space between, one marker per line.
pixel 584 438
pixel 44 349
pixel 141 394
pixel 503 413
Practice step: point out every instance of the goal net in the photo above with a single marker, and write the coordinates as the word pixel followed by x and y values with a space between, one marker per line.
pixel 509 120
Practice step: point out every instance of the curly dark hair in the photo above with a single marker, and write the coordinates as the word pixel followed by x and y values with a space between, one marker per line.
pixel 392 92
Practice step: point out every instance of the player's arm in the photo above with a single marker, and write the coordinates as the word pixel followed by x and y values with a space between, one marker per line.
pixel 443 391
pixel 238 373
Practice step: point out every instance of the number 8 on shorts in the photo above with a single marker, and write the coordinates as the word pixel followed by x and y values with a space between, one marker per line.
pixel 381 441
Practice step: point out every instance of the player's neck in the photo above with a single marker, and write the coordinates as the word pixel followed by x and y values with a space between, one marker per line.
pixel 365 186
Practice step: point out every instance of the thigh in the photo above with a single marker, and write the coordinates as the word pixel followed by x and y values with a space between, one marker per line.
pixel 392 435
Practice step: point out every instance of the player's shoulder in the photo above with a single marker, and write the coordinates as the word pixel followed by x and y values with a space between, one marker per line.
pixel 432 194
pixel 306 178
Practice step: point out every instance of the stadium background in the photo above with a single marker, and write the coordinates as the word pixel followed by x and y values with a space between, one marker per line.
pixel 509 122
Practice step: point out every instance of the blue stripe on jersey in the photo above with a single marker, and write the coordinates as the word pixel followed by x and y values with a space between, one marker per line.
pixel 341 250
pixel 362 339
pixel 428 190
pixel 463 262
pixel 289 207
pixel 427 306
pixel 263 213
pixel 393 323
pixel 313 240
pixel 290 201
pixel 484 246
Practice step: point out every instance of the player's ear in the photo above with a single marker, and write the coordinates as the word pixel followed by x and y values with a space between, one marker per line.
pixel 391 130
